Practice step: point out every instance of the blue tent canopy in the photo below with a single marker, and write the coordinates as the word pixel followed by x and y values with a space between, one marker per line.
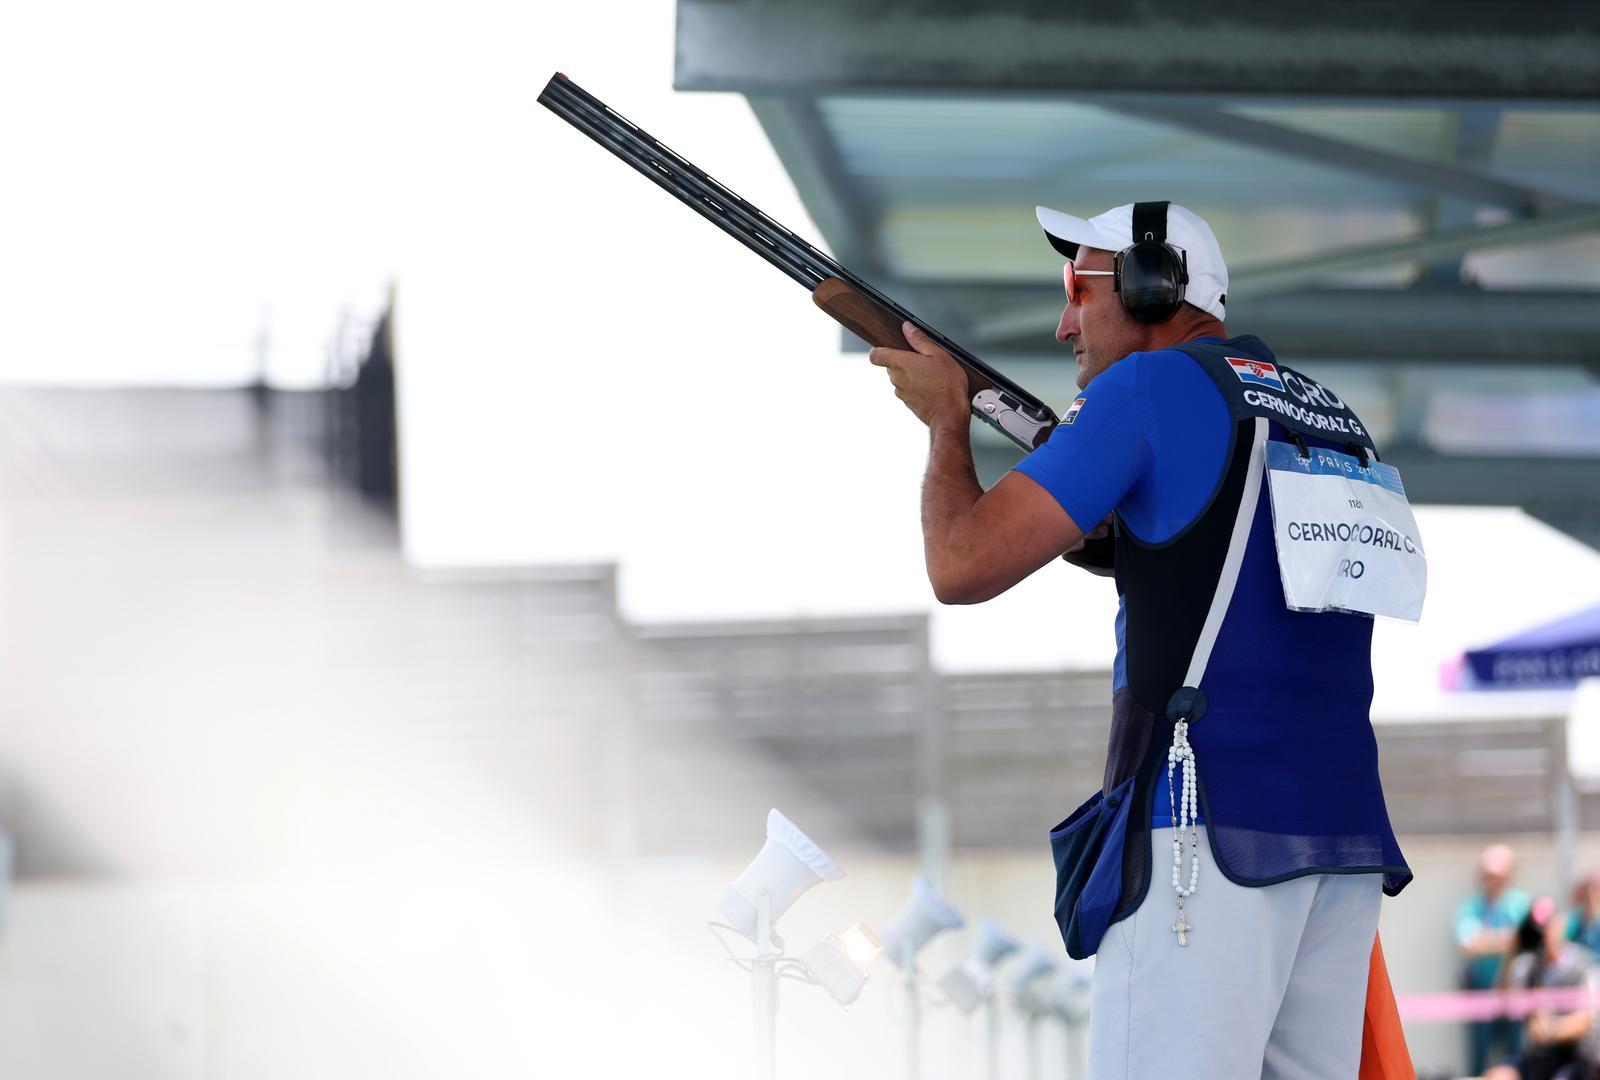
pixel 1553 656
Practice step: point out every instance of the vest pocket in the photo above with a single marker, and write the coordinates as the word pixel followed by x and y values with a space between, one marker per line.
pixel 1087 848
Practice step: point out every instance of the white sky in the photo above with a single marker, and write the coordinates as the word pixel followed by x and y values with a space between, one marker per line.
pixel 588 371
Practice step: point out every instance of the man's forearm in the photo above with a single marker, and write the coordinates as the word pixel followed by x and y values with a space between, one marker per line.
pixel 950 488
pixel 1571 1027
pixel 1487 942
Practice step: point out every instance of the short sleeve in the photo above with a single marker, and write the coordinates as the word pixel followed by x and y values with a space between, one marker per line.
pixel 1518 904
pixel 1469 920
pixel 1097 451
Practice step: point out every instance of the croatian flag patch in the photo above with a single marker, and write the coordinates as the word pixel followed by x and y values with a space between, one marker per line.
pixel 1072 411
pixel 1255 371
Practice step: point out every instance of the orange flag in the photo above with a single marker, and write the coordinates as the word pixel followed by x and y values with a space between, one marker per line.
pixel 1383 1044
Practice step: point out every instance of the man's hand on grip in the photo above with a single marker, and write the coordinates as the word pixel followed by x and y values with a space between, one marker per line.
pixel 932 385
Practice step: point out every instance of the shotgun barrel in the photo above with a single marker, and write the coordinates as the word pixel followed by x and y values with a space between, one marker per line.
pixel 871 315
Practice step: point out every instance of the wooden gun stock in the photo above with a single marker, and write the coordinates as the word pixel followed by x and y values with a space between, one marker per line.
pixel 877 325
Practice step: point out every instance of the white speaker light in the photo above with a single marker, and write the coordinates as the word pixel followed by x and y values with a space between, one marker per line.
pixel 1037 965
pixel 924 915
pixel 967 984
pixel 862 945
pixel 840 961
pixel 1070 993
pixel 787 865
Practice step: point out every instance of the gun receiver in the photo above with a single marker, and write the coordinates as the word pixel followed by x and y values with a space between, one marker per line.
pixel 854 304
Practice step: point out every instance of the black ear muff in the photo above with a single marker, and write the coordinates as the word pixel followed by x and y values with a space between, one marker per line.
pixel 1150 273
pixel 1150 278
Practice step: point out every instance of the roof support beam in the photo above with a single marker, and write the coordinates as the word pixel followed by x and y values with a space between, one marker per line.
pixel 1441 325
pixel 807 151
pixel 1554 483
pixel 1459 180
pixel 1477 129
pixel 1271 279
pixel 1267 279
pixel 1459 324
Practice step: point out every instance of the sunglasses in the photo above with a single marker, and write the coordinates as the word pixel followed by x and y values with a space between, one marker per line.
pixel 1070 276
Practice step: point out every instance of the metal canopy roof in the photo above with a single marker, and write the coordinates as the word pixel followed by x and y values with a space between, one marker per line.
pixel 1410 193
pixel 1467 49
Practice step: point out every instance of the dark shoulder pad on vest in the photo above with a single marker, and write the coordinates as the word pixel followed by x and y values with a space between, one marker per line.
pixel 1254 383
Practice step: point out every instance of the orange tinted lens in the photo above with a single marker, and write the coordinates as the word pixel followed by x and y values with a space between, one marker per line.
pixel 1070 280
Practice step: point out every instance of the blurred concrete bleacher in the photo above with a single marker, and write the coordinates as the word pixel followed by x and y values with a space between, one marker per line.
pixel 837 707
pixel 1484 777
pixel 852 711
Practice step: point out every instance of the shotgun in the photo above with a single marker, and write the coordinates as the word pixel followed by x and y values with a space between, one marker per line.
pixel 851 302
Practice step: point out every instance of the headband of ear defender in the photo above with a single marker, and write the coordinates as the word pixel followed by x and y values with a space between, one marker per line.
pixel 1199 269
pixel 1150 274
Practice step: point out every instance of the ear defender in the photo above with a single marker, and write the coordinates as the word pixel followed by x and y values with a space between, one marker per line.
pixel 1151 274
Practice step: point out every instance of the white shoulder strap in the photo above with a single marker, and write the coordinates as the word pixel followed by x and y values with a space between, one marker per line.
pixel 1183 795
pixel 1235 557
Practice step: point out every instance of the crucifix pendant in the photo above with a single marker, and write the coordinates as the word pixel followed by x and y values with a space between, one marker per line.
pixel 1182 926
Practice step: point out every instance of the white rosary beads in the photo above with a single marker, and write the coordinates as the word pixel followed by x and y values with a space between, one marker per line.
pixel 1184 818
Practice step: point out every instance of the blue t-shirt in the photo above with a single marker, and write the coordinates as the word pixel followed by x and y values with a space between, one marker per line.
pixel 1476 913
pixel 1148 438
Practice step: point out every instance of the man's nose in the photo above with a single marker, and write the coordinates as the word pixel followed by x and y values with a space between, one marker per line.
pixel 1067 328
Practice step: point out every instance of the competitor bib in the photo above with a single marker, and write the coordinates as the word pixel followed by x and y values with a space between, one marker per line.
pixel 1345 534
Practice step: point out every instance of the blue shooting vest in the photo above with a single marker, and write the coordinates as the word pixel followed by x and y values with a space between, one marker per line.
pixel 1277 700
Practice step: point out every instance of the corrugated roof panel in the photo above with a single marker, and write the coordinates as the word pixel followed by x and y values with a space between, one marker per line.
pixel 935 148
pixel 957 180
pixel 1429 134
pixel 1556 150
pixel 1569 264
pixel 963 242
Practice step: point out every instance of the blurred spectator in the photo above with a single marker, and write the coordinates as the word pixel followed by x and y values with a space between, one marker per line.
pixel 1485 930
pixel 1555 1045
pixel 1584 924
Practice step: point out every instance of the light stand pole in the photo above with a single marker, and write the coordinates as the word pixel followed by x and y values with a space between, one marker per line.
pixel 788 864
pixel 1032 1007
pixel 1069 1000
pixel 765 991
pixel 1076 1055
pixel 908 965
pixel 923 916
pixel 1030 1035
pixel 991 1017
pixel 971 986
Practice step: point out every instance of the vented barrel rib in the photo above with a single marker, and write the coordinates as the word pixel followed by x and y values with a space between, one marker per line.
pixel 1029 421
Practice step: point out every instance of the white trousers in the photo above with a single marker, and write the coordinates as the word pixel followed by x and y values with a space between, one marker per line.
pixel 1272 984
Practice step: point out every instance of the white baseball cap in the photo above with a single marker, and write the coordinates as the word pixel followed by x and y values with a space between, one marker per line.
pixel 1113 230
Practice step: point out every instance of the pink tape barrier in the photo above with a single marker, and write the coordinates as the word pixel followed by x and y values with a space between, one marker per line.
pixel 1459 1005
